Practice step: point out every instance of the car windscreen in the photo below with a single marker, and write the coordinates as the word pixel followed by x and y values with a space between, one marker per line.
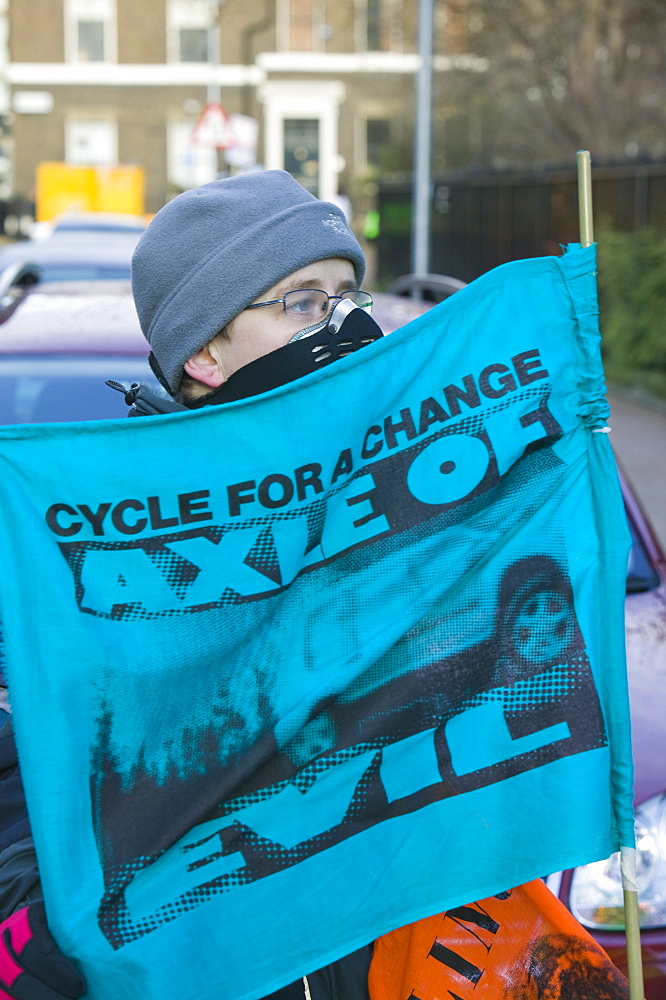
pixel 54 389
pixel 84 272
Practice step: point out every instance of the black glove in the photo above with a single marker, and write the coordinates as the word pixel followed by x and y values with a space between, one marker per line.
pixel 31 966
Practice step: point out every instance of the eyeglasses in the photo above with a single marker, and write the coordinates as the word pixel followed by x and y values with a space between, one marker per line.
pixel 314 303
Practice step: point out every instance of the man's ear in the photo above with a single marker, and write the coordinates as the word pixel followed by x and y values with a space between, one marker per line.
pixel 204 367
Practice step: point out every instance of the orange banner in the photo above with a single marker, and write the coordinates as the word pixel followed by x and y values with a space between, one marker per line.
pixel 523 944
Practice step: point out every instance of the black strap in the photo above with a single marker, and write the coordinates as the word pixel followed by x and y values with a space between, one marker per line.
pixel 296 359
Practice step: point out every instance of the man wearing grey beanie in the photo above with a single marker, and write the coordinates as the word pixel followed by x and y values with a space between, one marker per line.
pixel 231 281
pixel 226 275
pixel 214 255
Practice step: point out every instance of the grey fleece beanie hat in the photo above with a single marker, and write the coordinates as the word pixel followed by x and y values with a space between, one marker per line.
pixel 213 250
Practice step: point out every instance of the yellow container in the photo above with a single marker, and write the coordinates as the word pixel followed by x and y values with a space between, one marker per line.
pixel 65 187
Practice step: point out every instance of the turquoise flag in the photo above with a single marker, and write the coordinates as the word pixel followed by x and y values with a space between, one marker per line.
pixel 294 671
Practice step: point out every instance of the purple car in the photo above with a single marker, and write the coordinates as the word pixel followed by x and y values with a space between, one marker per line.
pixel 59 342
pixel 593 892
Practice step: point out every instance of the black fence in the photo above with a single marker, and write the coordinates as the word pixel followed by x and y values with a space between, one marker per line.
pixel 482 220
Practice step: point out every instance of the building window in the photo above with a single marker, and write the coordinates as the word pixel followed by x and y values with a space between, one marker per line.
pixel 91 142
pixel 373 26
pixel 193 45
pixel 301 151
pixel 377 139
pixel 90 30
pixel 91 41
pixel 188 29
pixel 380 24
pixel 301 26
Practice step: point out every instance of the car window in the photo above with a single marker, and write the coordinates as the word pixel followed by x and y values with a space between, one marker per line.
pixel 39 390
pixel 641 574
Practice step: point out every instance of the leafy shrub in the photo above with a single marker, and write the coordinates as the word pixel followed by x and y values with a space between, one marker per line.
pixel 632 303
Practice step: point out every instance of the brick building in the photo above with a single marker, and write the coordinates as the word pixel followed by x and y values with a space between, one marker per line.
pixel 330 84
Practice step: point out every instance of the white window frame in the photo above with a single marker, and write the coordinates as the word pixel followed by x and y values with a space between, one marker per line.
pixel 306 99
pixel 186 14
pixel 74 124
pixel 90 10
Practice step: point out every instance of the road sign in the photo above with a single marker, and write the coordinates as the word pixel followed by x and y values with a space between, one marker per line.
pixel 242 150
pixel 213 128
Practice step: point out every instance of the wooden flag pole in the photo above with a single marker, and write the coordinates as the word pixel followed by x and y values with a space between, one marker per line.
pixel 632 929
pixel 585 197
pixel 627 854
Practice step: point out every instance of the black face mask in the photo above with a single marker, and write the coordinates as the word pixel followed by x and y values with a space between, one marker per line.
pixel 345 330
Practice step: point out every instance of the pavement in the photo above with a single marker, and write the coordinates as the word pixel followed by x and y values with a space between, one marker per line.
pixel 638 436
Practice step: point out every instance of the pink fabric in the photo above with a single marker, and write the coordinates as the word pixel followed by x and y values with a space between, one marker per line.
pixel 17 928
pixel 20 929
